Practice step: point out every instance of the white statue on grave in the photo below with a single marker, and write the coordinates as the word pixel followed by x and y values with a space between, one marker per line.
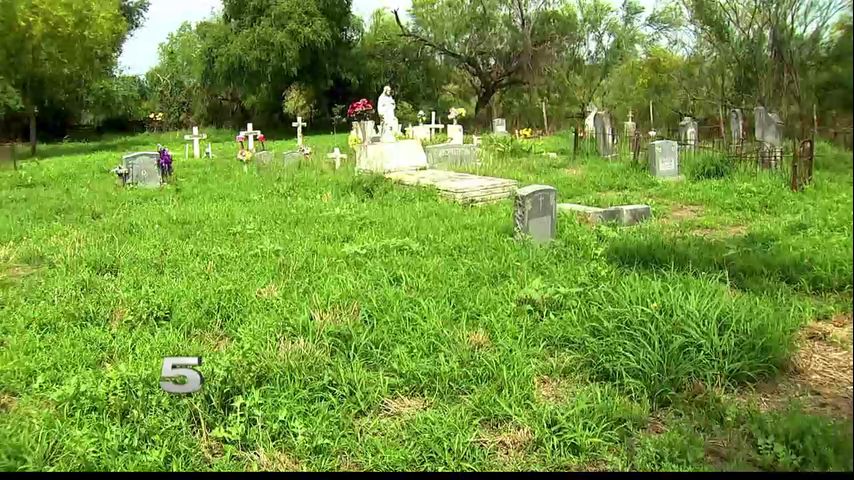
pixel 385 108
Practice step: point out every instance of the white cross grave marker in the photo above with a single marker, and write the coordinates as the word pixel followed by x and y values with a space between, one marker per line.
pixel 195 137
pixel 433 125
pixel 337 156
pixel 250 134
pixel 298 125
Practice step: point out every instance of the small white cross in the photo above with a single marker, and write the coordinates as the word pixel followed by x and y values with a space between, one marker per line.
pixel 630 114
pixel 195 137
pixel 299 124
pixel 337 156
pixel 433 125
pixel 250 134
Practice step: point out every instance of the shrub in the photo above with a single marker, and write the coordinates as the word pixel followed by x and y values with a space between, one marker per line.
pixel 709 166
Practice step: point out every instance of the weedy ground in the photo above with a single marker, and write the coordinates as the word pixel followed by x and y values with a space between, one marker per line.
pixel 346 323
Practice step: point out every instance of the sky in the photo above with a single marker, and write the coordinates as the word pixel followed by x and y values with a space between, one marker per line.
pixel 165 16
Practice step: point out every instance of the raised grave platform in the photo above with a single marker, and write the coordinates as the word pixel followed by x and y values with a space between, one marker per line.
pixel 463 188
pixel 391 157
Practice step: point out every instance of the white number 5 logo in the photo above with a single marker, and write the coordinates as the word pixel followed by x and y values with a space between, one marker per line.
pixel 193 377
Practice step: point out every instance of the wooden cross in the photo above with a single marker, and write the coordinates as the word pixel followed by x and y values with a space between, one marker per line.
pixel 433 125
pixel 298 125
pixel 250 134
pixel 195 137
pixel 337 156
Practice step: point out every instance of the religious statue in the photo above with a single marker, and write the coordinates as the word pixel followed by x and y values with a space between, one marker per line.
pixel 385 108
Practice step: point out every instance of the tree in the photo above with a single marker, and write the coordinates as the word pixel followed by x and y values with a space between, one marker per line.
pixel 496 43
pixel 764 50
pixel 51 49
pixel 260 47
pixel 176 81
pixel 414 73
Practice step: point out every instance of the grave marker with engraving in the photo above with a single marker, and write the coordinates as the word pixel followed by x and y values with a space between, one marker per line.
pixel 451 155
pixel 535 213
pixel 664 159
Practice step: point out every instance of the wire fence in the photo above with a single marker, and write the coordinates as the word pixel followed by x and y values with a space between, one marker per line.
pixel 793 161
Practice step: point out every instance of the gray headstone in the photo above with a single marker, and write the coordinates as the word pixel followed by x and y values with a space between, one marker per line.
pixel 292 159
pixel 768 128
pixel 736 125
pixel 536 213
pixel 264 159
pixel 142 169
pixel 7 155
pixel 604 133
pixel 499 126
pixel 451 155
pixel 664 158
pixel 688 132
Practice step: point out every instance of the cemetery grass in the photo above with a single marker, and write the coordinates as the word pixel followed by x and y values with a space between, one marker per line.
pixel 349 324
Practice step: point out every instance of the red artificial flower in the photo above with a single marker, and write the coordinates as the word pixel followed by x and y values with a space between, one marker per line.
pixel 262 138
pixel 363 106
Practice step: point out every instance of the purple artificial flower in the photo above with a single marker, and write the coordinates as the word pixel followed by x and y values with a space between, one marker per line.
pixel 165 162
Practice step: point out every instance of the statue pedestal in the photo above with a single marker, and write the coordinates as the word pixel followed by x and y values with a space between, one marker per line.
pixel 391 157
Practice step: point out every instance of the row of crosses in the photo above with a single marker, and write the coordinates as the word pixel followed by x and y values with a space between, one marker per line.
pixel 250 133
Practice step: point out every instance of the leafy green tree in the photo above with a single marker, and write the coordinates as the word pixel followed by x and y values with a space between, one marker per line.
pixel 176 82
pixel 382 59
pixel 51 50
pixel 764 51
pixel 496 43
pixel 298 101
pixel 119 100
pixel 260 47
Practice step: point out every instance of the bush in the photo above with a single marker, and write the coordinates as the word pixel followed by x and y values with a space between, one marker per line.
pixel 506 146
pixel 794 441
pixel 709 166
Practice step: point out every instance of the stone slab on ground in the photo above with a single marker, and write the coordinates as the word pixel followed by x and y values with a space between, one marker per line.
pixel 461 187
pixel 625 215
pixel 634 214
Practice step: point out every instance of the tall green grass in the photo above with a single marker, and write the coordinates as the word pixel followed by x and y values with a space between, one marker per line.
pixel 317 298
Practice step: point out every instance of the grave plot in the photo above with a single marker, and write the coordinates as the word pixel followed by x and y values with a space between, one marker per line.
pixel 463 188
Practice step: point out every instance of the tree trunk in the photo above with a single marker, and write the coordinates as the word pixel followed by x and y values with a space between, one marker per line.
pixel 31 111
pixel 484 96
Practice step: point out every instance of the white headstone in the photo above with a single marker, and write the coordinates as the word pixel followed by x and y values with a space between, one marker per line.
pixel 250 135
pixel 336 155
pixel 455 134
pixel 195 137
pixel 298 125
pixel 433 125
pixel 499 126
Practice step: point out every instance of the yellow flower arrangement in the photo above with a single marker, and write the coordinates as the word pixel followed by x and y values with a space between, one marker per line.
pixel 526 133
pixel 354 141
